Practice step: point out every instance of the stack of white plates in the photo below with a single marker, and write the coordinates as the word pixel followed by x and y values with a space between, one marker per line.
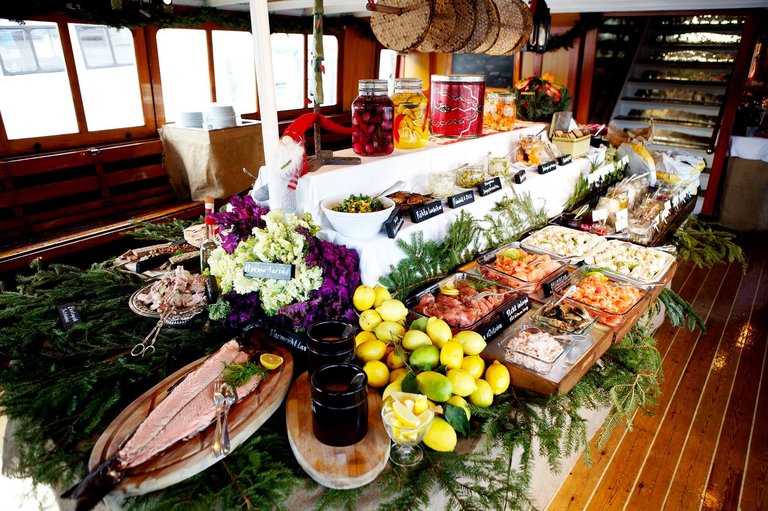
pixel 190 119
pixel 221 116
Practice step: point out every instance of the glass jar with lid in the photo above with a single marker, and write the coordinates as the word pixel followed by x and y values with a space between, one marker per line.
pixel 372 119
pixel 410 128
pixel 456 105
pixel 500 111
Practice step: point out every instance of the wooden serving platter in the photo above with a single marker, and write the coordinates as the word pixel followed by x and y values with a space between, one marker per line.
pixel 187 458
pixel 340 468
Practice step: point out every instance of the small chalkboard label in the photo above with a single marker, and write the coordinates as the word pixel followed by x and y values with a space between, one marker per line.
pixel 489 187
pixel 555 283
pixel 515 310
pixel 492 330
pixel 393 224
pixel 426 211
pixel 291 339
pixel 565 159
pixel 276 271
pixel 547 167
pixel 519 177
pixel 68 315
pixel 461 199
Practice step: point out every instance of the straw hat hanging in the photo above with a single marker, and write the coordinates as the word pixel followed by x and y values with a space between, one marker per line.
pixel 516 25
pixel 401 25
pixel 482 27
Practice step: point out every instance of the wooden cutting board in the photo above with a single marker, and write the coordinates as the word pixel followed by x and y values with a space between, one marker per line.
pixel 186 459
pixel 340 468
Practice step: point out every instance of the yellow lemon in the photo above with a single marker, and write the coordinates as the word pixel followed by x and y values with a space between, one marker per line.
pixel 405 415
pixel 369 320
pixel 497 375
pixel 271 361
pixel 420 404
pixel 363 336
pixel 439 331
pixel 460 402
pixel 378 373
pixel 451 355
pixel 474 365
pixel 463 382
pixel 394 361
pixel 392 310
pixel 382 295
pixel 364 297
pixel 472 342
pixel 371 350
pixel 441 436
pixel 389 331
pixel 395 386
pixel 398 375
pixel 482 397
pixel 415 339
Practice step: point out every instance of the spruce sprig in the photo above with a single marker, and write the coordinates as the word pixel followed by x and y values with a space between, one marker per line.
pixel 170 230
pixel 704 245
pixel 681 312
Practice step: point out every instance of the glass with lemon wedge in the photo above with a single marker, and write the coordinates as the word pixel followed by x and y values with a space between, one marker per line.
pixel 407 418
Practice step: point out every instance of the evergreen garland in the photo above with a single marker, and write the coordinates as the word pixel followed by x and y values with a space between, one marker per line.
pixel 699 243
pixel 169 231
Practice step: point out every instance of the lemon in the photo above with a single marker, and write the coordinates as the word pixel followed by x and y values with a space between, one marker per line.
pixel 271 361
pixel 472 342
pixel 474 365
pixel 439 331
pixel 513 253
pixel 389 331
pixel 369 320
pixel 482 397
pixel 363 336
pixel 382 295
pixel 460 402
pixel 441 436
pixel 420 404
pixel 463 382
pixel 406 416
pixel 497 375
pixel 364 297
pixel 378 373
pixel 398 375
pixel 394 386
pixel 415 339
pixel 392 310
pixel 394 361
pixel 371 350
pixel 451 355
pixel 449 291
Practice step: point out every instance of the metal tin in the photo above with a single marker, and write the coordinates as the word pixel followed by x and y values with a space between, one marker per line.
pixel 456 105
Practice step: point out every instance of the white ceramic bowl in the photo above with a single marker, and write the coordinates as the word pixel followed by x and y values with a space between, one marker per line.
pixel 359 226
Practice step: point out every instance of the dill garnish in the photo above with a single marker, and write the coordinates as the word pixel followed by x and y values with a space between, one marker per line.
pixel 238 375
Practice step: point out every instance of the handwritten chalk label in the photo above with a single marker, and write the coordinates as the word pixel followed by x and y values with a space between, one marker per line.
pixel 291 339
pixel 394 223
pixel 68 315
pixel 599 215
pixel 489 187
pixel 621 221
pixel 519 177
pixel 564 160
pixel 555 283
pixel 461 199
pixel 515 310
pixel 544 168
pixel 276 271
pixel 492 330
pixel 426 211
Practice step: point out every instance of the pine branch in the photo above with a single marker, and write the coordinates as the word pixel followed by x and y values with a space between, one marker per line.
pixel 700 243
pixel 170 230
pixel 680 312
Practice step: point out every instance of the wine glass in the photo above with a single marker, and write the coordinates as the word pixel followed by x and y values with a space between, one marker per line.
pixel 406 435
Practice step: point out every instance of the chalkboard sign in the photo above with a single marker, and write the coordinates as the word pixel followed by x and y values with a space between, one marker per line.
pixel 498 70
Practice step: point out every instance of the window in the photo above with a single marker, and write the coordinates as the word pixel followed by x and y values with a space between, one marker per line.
pixel 183 55
pixel 387 67
pixel 330 67
pixel 233 70
pixel 30 48
pixel 104 46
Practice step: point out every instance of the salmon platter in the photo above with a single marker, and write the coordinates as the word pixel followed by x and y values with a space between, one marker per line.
pixel 167 434
pixel 607 298
pixel 524 269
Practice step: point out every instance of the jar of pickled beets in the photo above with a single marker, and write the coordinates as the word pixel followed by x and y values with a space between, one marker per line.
pixel 372 117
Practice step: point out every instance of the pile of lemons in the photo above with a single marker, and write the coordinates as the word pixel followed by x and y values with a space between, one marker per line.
pixel 387 346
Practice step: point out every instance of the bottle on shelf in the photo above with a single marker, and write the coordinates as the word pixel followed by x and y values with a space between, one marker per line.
pixel 410 127
pixel 372 119
pixel 209 244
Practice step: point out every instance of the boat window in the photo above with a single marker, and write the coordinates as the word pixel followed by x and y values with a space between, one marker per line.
pixel 183 56
pixel 105 61
pixel 234 70
pixel 387 67
pixel 288 68
pixel 330 68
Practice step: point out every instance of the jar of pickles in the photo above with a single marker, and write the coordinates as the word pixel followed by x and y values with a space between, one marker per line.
pixel 372 119
pixel 500 111
pixel 410 128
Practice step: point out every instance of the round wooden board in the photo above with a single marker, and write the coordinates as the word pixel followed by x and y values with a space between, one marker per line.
pixel 516 22
pixel 482 27
pixel 405 31
pixel 190 457
pixel 494 26
pixel 341 468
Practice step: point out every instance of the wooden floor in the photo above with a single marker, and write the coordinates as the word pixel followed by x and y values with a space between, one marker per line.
pixel 706 447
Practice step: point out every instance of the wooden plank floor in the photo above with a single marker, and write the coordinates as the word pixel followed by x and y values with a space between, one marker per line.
pixel 706 447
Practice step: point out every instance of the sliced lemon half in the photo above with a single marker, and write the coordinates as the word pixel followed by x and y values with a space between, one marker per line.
pixel 270 360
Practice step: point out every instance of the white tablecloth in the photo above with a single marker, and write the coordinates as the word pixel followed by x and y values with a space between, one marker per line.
pixel 376 174
pixel 749 148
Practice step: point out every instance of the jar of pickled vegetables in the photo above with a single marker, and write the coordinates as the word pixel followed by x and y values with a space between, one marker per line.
pixel 372 119
pixel 410 129
pixel 500 111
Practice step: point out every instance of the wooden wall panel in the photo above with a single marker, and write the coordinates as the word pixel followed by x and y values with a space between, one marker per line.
pixel 360 58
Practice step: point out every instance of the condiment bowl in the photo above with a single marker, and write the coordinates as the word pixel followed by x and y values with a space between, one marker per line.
pixel 360 226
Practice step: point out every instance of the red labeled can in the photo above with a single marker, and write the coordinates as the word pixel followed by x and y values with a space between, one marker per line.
pixel 456 105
